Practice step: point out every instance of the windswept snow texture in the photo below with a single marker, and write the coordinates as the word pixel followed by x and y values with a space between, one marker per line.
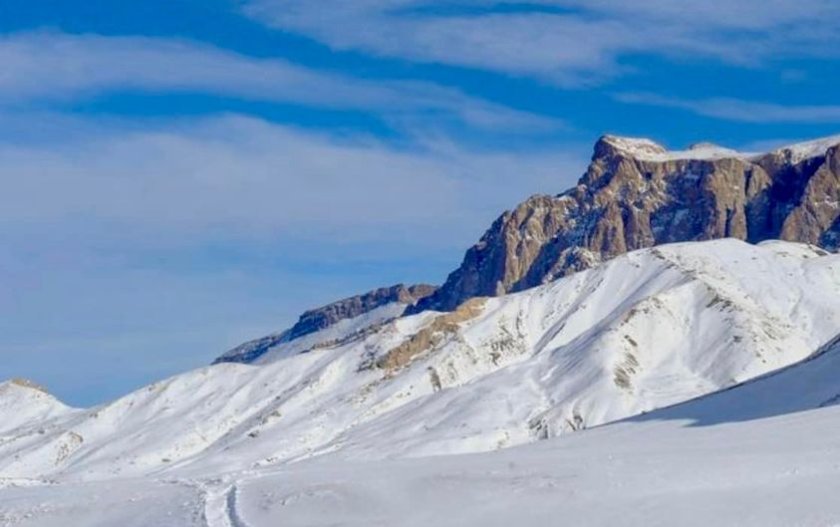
pixel 779 471
pixel 646 330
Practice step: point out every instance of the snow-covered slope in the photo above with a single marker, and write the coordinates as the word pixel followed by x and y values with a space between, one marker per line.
pixel 645 330
pixel 23 402
pixel 669 468
pixel 806 385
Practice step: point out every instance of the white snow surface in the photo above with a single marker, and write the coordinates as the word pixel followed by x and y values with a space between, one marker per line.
pixel 647 150
pixel 761 454
pixel 645 330
pixel 809 149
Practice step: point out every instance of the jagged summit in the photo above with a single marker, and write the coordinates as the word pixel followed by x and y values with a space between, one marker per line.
pixel 637 194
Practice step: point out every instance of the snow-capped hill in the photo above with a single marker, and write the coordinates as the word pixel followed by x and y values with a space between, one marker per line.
pixel 648 329
pixel 24 402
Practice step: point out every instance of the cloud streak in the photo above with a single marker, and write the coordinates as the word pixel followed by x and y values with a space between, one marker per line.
pixel 123 245
pixel 739 110
pixel 58 67
pixel 246 176
pixel 569 42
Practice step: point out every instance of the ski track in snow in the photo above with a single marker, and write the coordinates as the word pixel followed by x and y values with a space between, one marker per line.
pixel 218 499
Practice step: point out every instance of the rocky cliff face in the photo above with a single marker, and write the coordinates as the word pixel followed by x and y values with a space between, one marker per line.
pixel 635 194
pixel 323 317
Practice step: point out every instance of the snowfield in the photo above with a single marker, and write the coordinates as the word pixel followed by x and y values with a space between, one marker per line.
pixel 771 459
pixel 378 421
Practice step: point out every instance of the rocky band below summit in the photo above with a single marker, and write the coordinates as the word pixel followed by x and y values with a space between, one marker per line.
pixel 325 316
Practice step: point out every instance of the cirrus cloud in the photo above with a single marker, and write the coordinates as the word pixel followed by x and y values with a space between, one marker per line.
pixel 568 42
pixel 51 66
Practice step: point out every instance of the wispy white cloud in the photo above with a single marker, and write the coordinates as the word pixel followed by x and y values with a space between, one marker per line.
pixel 738 109
pixel 563 41
pixel 58 67
pixel 119 241
pixel 248 176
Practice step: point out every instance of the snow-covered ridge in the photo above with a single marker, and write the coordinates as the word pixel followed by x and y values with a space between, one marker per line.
pixel 647 150
pixel 808 149
pixel 775 462
pixel 280 344
pixel 648 329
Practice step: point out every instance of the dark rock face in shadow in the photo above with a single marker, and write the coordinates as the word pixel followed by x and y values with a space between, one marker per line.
pixel 325 316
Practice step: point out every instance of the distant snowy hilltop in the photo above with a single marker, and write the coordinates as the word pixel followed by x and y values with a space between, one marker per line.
pixel 661 277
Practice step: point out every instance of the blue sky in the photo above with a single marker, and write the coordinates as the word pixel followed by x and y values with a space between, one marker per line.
pixel 181 175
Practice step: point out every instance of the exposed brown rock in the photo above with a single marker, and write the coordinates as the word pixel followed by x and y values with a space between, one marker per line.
pixel 634 198
pixel 438 332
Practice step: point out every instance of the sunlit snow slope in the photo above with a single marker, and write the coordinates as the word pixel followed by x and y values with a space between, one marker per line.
pixel 645 330
pixel 761 454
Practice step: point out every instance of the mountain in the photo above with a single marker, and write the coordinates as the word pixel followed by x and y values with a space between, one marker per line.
pixel 645 330
pixel 636 194
pixel 645 381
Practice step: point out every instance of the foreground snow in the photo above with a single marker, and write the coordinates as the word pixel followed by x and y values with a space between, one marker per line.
pixel 783 470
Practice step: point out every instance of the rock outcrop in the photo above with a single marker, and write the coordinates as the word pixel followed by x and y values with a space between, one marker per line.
pixel 323 317
pixel 636 194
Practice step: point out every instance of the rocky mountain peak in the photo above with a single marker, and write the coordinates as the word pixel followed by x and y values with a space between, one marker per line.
pixel 634 194
pixel 637 194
